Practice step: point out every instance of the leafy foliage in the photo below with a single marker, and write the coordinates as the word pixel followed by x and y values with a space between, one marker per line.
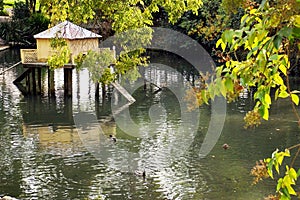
pixel 98 64
pixel 21 31
pixel 212 20
pixel 24 25
pixel 79 60
pixel 232 6
pixel 258 55
pixel 264 169
pixel 123 16
pixel 265 59
pixel 61 54
pixel 21 11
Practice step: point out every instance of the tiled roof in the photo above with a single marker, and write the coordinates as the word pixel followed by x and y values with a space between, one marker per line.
pixel 67 30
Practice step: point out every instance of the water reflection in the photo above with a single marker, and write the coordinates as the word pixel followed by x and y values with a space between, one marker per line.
pixel 42 156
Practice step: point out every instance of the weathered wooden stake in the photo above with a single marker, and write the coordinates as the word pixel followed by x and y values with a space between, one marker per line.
pixel 51 89
pixel 68 81
pixel 39 70
pixel 103 90
pixel 33 81
pixel 28 82
pixel 97 90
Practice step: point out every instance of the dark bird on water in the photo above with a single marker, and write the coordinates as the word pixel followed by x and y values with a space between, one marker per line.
pixel 225 146
pixel 52 128
pixel 143 174
pixel 112 138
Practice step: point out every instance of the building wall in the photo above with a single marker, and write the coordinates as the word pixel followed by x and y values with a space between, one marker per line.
pixel 44 49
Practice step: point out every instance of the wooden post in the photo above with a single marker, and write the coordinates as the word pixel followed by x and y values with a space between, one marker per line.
pixel 65 81
pixel 39 80
pixel 103 90
pixel 28 82
pixel 48 73
pixel 33 81
pixel 51 89
pixel 68 81
pixel 97 90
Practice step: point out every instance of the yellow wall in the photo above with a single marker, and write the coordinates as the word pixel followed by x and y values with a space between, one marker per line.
pixel 44 49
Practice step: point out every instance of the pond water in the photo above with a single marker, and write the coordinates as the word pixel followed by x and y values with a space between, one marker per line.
pixel 44 156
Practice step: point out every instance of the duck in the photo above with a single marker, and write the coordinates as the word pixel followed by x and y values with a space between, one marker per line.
pixel 112 138
pixel 52 128
pixel 225 146
pixel 139 173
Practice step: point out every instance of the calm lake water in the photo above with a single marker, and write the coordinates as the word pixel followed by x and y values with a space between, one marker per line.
pixel 43 156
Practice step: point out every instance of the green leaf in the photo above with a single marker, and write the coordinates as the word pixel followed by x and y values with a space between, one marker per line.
pixel 276 94
pixel 243 19
pixel 223 46
pixel 229 85
pixel 279 184
pixel 293 174
pixel 287 153
pixel 277 167
pixel 269 162
pixel 290 190
pixel 286 195
pixel 266 113
pixel 277 41
pixel 211 91
pixel 223 88
pixel 296 31
pixel 295 99
pixel 220 41
pixel 267 99
pixel 273 57
pixel 228 35
pixel 286 32
pixel 283 94
pixel 279 158
pixel 283 69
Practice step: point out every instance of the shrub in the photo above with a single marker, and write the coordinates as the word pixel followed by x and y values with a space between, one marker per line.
pixel 21 11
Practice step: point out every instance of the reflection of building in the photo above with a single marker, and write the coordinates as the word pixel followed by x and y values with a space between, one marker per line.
pixel 51 123
pixel 59 139
pixel 56 136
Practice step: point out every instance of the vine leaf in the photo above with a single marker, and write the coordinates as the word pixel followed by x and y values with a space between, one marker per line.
pixel 295 99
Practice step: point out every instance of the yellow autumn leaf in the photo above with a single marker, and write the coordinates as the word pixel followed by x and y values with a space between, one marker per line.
pixel 295 99
pixel 297 20
pixel 268 99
